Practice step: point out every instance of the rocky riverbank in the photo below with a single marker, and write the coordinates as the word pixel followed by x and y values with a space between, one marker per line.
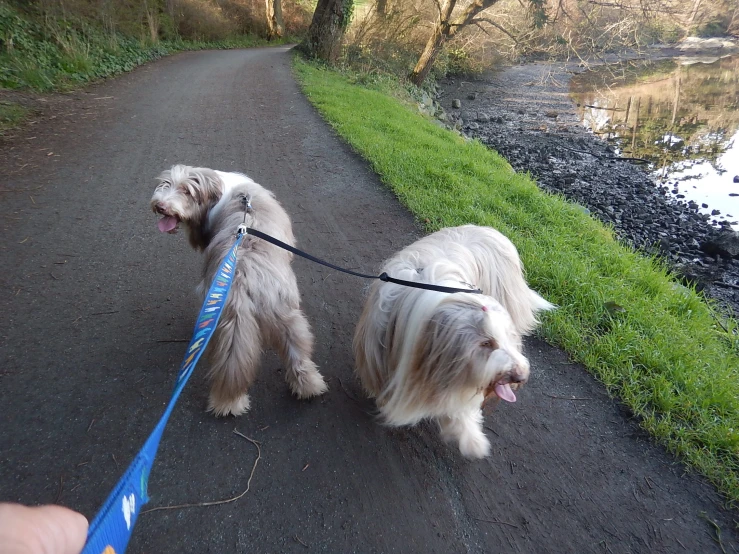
pixel 526 114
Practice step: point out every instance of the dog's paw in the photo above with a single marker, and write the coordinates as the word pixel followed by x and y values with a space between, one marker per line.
pixel 307 383
pixel 236 407
pixel 474 445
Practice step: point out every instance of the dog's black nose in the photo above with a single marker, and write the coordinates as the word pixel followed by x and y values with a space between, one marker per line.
pixel 160 208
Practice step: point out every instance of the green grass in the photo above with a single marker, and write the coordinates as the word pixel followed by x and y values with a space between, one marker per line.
pixel 663 354
pixel 11 115
pixel 56 54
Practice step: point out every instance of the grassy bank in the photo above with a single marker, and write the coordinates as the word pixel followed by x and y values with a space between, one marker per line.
pixel 45 54
pixel 653 343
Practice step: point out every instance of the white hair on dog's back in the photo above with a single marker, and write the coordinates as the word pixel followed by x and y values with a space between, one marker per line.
pixel 426 354
pixel 263 305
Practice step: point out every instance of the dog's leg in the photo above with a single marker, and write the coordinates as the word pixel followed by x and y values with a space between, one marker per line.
pixel 235 354
pixel 465 428
pixel 293 341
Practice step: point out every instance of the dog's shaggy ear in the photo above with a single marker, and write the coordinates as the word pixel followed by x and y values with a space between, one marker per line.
pixel 204 185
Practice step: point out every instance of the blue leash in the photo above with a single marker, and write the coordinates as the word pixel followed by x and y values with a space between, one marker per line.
pixel 111 529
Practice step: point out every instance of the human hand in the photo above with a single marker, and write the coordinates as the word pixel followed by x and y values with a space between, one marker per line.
pixel 41 530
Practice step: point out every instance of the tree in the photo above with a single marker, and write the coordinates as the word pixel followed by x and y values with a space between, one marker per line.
pixel 275 27
pixel 444 29
pixel 330 20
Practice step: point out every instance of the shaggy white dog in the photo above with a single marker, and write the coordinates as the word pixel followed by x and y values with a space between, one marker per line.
pixel 264 302
pixel 425 354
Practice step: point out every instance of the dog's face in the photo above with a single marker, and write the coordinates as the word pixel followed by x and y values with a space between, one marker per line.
pixel 184 194
pixel 470 342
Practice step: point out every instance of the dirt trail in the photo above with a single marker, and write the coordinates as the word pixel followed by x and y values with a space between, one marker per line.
pixel 93 297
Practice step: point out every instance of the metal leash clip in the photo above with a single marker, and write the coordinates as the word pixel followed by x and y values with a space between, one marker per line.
pixel 246 201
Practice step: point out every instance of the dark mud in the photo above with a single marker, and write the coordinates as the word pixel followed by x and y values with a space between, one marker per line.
pixel 525 113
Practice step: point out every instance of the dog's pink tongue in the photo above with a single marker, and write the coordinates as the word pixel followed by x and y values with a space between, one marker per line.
pixel 505 392
pixel 167 223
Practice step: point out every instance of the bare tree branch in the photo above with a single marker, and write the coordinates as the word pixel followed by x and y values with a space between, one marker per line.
pixel 502 29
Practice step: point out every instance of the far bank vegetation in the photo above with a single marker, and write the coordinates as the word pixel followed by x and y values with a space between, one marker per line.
pixel 421 37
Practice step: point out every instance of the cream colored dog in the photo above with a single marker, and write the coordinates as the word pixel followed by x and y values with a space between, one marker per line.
pixel 425 354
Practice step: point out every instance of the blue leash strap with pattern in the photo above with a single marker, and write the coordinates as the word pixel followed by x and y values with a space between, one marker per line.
pixel 111 529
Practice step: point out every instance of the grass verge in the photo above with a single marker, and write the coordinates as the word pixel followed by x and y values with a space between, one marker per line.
pixel 11 114
pixel 654 343
pixel 56 54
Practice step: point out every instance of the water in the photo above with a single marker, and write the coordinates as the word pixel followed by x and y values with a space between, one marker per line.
pixel 681 116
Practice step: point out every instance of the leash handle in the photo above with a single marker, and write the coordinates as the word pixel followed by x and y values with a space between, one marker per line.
pixel 111 529
pixel 383 277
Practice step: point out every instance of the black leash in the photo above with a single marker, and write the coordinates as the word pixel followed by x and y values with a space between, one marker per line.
pixel 383 277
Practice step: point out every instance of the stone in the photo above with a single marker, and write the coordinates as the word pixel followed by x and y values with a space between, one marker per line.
pixel 725 243
pixel 715 212
pixel 456 103
pixel 472 96
pixel 736 178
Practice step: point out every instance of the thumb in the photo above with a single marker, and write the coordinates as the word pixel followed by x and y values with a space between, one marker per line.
pixel 41 530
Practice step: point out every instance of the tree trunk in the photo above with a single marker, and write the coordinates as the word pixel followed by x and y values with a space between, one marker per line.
pixel 275 27
pixel 323 39
pixel 444 30
pixel 434 44
pixel 381 7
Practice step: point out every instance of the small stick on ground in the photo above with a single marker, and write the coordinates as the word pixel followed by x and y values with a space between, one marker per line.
pixel 496 521
pixel 493 431
pixel 217 502
pixel 346 392
pixel 567 397
pixel 61 488
pixel 717 530
pixel 297 538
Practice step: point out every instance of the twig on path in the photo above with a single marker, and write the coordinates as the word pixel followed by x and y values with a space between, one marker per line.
pixel 565 397
pixel 106 313
pixel 217 502
pixel 496 521
pixel 61 488
pixel 21 190
pixel 346 392
pixel 297 538
pixel 717 530
pixel 493 431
